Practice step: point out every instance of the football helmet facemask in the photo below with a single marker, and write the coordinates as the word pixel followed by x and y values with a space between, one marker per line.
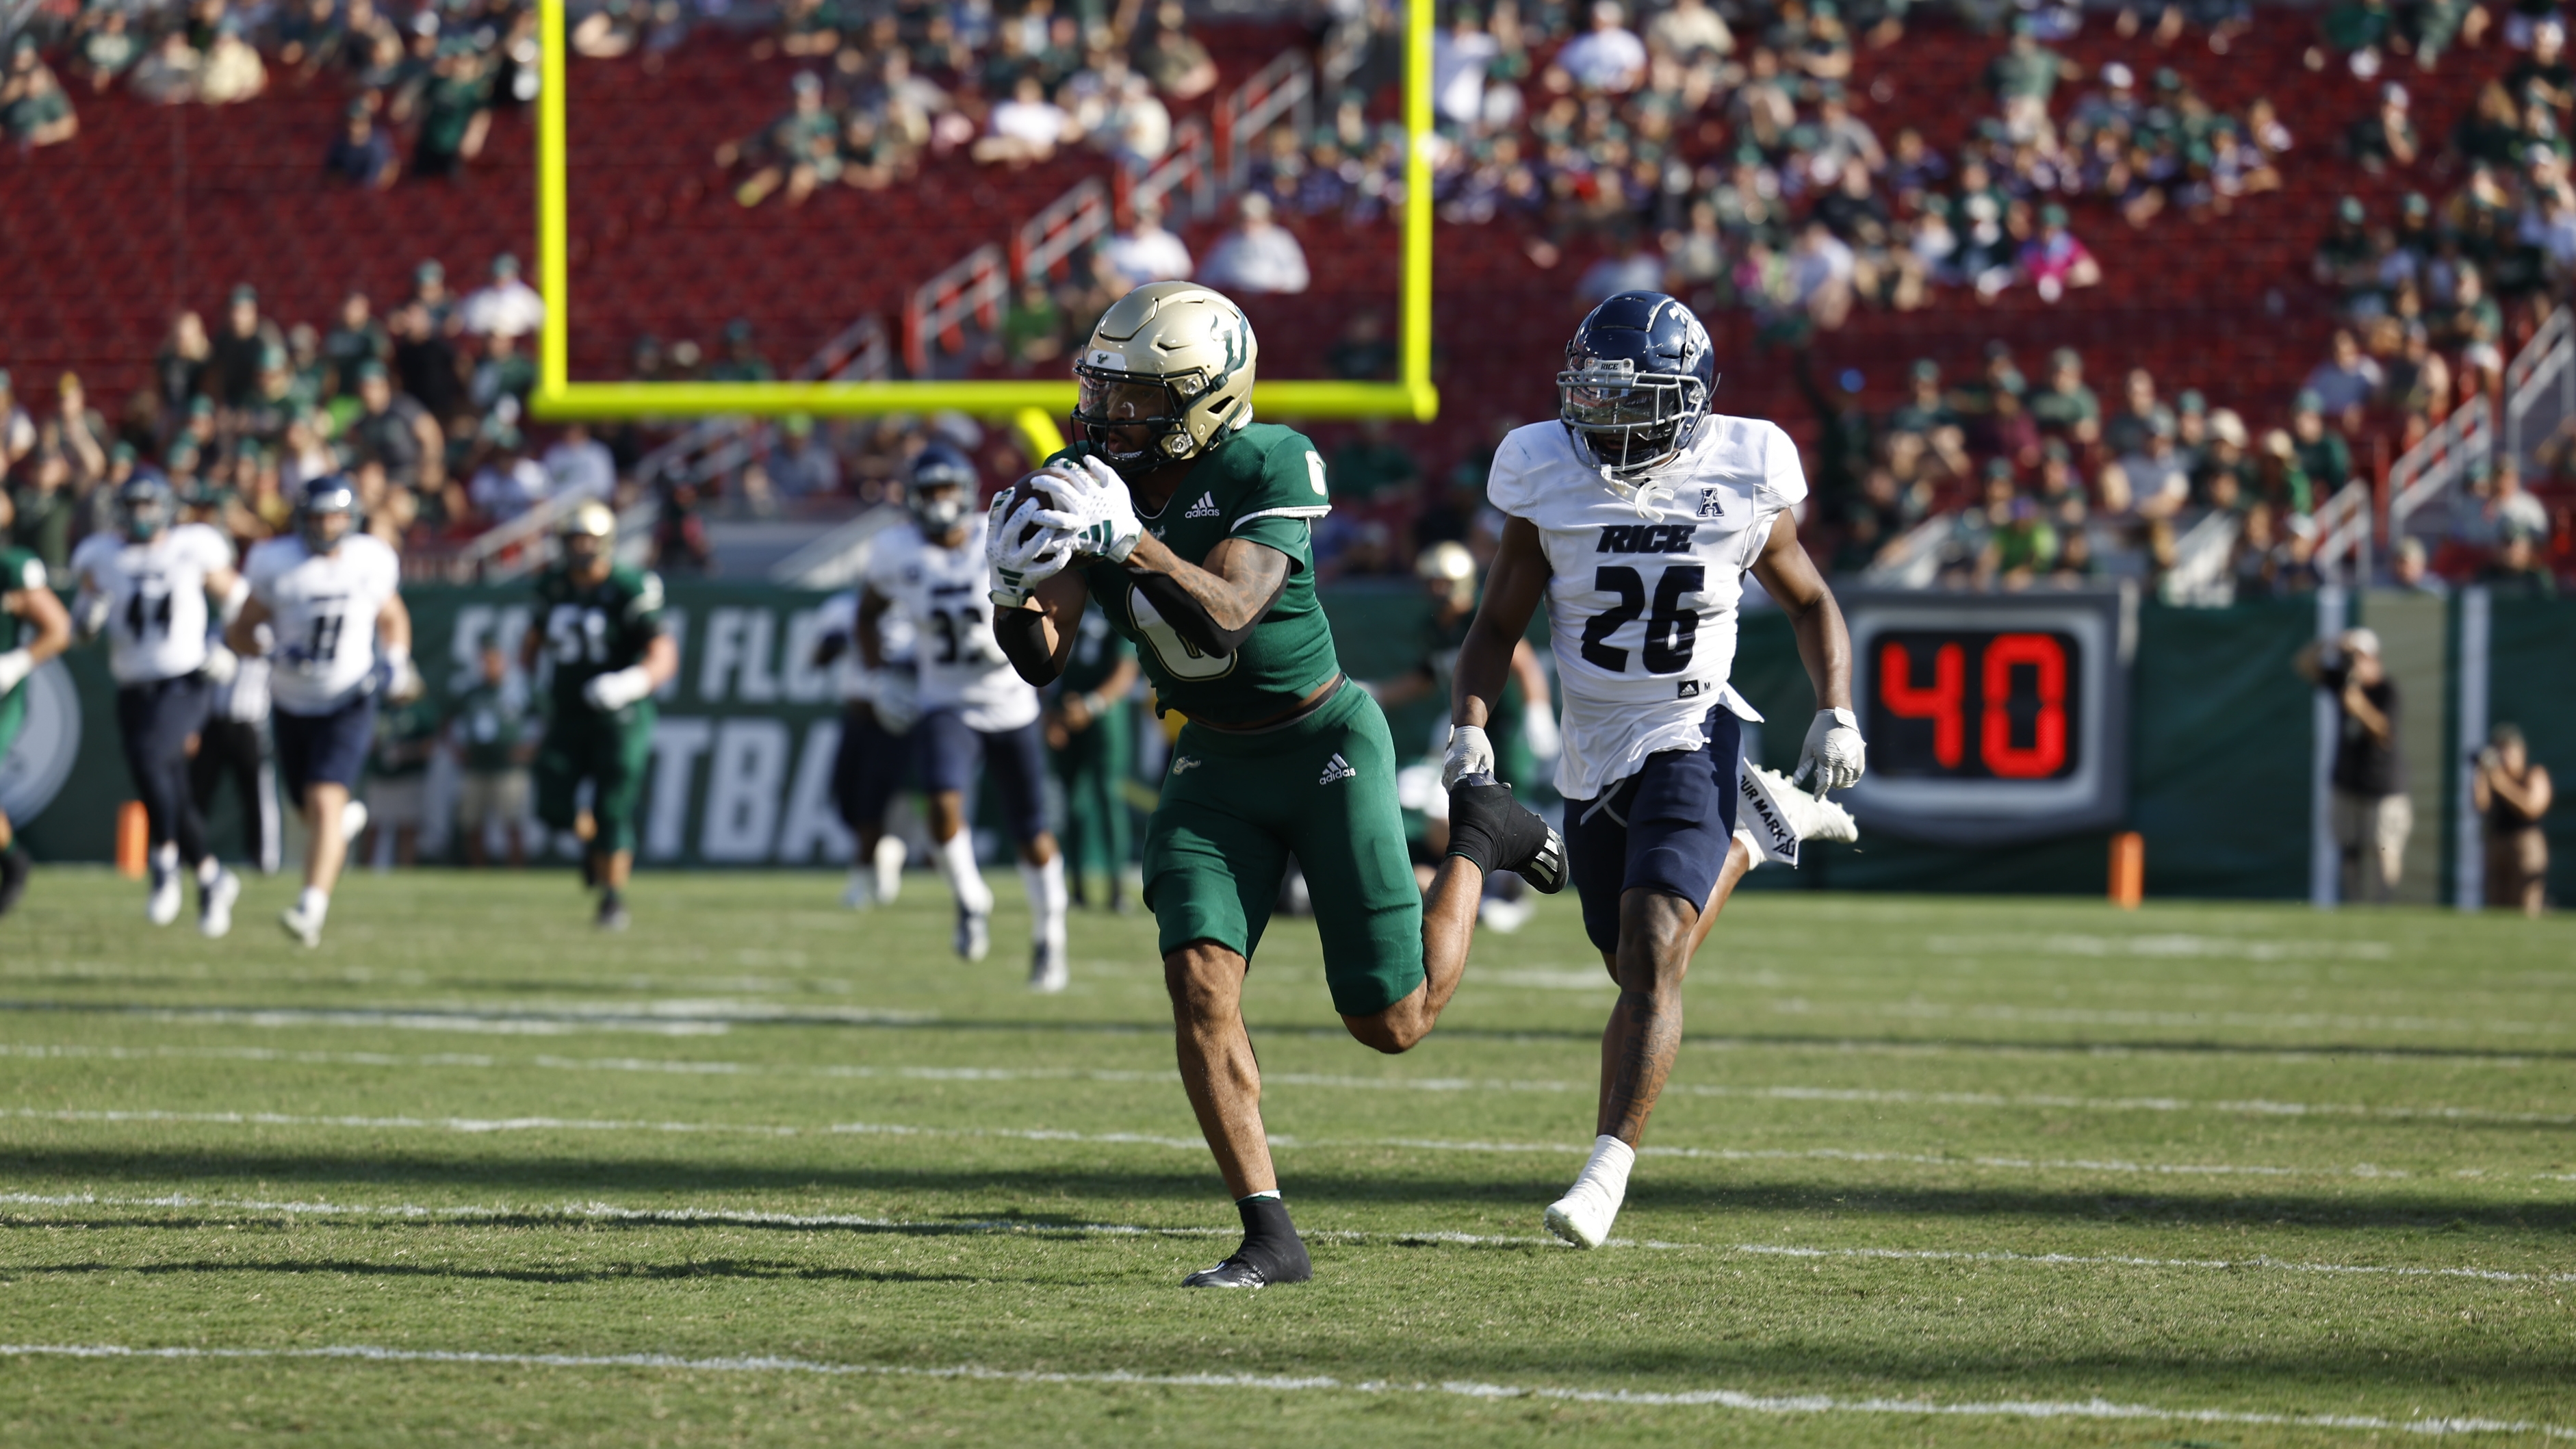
pixel 145 507
pixel 325 499
pixel 1165 375
pixel 1636 385
pixel 938 488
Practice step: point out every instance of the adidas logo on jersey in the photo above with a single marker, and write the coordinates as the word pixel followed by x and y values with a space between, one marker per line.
pixel 1337 768
pixel 1204 508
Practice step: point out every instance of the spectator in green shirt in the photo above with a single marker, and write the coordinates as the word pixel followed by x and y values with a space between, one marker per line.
pixel 2066 405
pixel 488 726
pixel 2020 551
pixel 742 361
pixel 1926 409
pixel 2024 77
pixel 2321 453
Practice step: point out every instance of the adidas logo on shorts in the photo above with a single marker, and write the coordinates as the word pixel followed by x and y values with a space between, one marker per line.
pixel 1337 768
pixel 1204 508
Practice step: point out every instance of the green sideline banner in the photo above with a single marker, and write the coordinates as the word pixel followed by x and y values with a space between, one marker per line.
pixel 2220 744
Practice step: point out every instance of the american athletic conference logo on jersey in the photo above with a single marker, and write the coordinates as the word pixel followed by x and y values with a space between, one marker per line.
pixel 1712 503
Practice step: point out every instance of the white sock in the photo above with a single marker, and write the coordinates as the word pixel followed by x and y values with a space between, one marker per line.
pixel 1752 849
pixel 1607 1172
pixel 956 860
pixel 1047 900
pixel 314 904
pixel 165 856
pixel 208 869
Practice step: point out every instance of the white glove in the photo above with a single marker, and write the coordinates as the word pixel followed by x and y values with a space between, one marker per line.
pixel 1021 565
pixel 1470 753
pixel 1538 726
pixel 89 613
pixel 1092 505
pixel 1834 754
pixel 221 664
pixel 611 692
pixel 407 685
pixel 15 666
pixel 897 702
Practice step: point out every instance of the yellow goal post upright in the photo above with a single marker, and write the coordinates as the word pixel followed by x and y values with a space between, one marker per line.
pixel 1033 405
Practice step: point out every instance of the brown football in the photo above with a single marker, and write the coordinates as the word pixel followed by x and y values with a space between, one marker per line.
pixel 1012 497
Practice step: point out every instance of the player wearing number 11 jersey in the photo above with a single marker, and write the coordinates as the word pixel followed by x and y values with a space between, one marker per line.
pixel 1635 516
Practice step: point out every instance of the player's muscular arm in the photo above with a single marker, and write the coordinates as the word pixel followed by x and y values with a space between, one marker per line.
pixel 1793 583
pixel 1214 605
pixel 53 622
pixel 393 626
pixel 1038 639
pixel 1512 593
pixel 661 660
pixel 242 635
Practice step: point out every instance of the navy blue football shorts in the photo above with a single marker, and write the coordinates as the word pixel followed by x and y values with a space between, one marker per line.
pixel 951 750
pixel 1665 828
pixel 326 748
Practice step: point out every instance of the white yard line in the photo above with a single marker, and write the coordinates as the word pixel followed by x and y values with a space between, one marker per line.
pixel 1734 1399
pixel 657 1018
pixel 486 1125
pixel 681 1066
pixel 743 1217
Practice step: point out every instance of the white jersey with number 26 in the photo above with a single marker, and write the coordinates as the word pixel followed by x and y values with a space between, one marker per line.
pixel 945 595
pixel 323 608
pixel 156 598
pixel 1642 595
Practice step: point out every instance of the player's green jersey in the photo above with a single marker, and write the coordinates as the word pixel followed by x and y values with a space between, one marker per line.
pixel 1264 483
pixel 19 572
pixel 596 630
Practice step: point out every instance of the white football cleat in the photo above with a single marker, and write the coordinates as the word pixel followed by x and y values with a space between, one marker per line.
pixel 888 865
pixel 1778 816
pixel 162 906
pixel 307 929
pixel 1049 971
pixel 974 934
pixel 353 821
pixel 215 905
pixel 1504 913
pixel 1583 1216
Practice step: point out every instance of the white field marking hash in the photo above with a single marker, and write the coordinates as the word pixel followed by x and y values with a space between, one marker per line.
pixel 682 1066
pixel 659 1018
pixel 1194 1144
pixel 1735 1399
pixel 2165 946
pixel 741 1217
pixel 2188 1020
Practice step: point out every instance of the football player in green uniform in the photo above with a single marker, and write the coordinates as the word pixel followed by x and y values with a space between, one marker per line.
pixel 600 622
pixel 34 627
pixel 1091 731
pixel 1187 523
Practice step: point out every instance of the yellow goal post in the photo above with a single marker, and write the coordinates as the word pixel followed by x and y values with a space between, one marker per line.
pixel 1033 404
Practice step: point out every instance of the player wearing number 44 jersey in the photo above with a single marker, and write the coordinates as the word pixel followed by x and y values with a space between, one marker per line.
pixel 961 704
pixel 1635 516
pixel 1187 523
pixel 599 622
pixel 148 586
pixel 338 637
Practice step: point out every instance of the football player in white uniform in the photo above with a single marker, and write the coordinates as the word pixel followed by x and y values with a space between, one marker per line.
pixel 972 708
pixel 147 587
pixel 330 597
pixel 1636 516
pixel 873 757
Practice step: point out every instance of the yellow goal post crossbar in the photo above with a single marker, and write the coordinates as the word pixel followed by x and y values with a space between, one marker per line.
pixel 1034 403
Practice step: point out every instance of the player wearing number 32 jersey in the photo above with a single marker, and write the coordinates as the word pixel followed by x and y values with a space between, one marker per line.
pixel 1635 516
pixel 1187 523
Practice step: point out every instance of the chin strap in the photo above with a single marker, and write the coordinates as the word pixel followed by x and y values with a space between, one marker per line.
pixel 1648 497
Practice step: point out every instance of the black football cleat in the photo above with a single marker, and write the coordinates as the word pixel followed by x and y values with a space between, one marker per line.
pixel 612 914
pixel 1240 1272
pixel 14 870
pixel 1497 832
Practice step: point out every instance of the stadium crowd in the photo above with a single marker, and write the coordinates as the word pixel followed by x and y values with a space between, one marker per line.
pixel 1723 152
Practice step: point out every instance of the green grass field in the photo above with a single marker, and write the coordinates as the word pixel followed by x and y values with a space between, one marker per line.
pixel 762 1171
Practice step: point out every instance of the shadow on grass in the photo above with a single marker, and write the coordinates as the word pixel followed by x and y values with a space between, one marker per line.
pixel 2366 1205
pixel 610 1273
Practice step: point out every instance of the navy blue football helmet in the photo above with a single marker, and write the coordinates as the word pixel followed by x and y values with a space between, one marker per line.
pixel 939 487
pixel 1636 383
pixel 145 506
pixel 325 498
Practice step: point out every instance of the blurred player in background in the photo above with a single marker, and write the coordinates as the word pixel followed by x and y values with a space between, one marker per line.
pixel 1522 736
pixel 1190 525
pixel 234 746
pixel 147 585
pixel 1091 729
pixel 331 598
pixel 33 628
pixel 973 710
pixel 2513 793
pixel 875 755
pixel 398 781
pixel 488 725
pixel 1635 517
pixel 599 622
